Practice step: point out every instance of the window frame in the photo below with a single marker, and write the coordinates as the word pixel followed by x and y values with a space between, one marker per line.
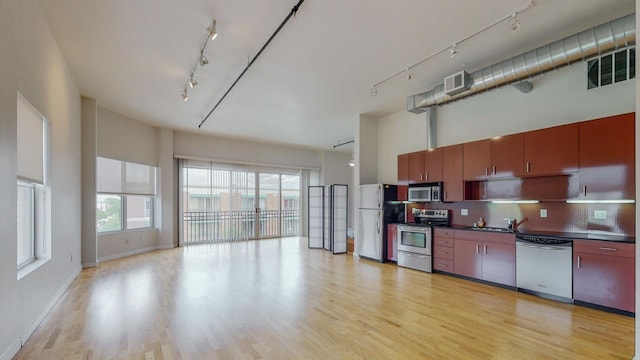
pixel 124 213
pixel 32 225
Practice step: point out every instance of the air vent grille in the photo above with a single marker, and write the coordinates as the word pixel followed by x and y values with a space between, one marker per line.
pixel 611 68
pixel 457 83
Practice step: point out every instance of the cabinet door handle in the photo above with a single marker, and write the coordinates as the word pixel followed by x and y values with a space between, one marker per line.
pixel 477 248
pixel 486 171
pixel 608 249
pixel 445 195
pixel 528 167
pixel 584 190
pixel 579 261
pixel 494 170
pixel 485 249
pixel 443 265
pixel 426 176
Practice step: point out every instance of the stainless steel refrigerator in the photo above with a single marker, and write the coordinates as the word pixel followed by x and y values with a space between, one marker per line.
pixel 378 206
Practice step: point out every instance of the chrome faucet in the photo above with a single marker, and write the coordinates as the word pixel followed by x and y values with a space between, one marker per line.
pixel 510 223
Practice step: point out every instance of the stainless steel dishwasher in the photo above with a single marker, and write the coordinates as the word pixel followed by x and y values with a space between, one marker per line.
pixel 544 266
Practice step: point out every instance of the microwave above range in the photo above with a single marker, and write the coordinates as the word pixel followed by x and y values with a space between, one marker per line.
pixel 427 192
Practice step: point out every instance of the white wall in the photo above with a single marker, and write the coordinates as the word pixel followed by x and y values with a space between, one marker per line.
pixel 558 97
pixel 89 182
pixel 31 62
pixel 336 170
pixel 234 150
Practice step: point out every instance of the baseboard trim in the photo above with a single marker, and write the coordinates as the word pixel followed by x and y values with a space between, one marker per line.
pixel 17 344
pixel 11 351
pixel 89 265
pixel 133 252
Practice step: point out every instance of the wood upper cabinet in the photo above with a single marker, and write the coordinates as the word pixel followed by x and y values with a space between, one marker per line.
pixel 453 184
pixel 551 151
pixel 485 255
pixel 604 273
pixel 477 159
pixel 607 158
pixel 507 156
pixel 403 169
pixel 433 165
pixel 416 167
pixel 494 158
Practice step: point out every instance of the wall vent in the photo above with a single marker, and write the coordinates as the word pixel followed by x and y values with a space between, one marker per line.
pixel 611 68
pixel 457 83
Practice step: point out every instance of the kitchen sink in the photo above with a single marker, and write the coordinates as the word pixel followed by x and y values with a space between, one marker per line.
pixel 495 229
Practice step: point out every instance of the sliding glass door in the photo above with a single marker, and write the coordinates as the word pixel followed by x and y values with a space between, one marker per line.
pixel 223 202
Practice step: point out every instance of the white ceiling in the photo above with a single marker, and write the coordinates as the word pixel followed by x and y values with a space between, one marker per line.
pixel 134 56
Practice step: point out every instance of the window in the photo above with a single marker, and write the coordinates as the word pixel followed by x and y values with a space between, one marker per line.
pixel 611 68
pixel 32 233
pixel 26 223
pixel 125 195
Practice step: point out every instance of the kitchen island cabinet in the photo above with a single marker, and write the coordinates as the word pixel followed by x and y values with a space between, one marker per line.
pixel 607 158
pixel 604 273
pixel 486 256
pixel 551 151
pixel 452 182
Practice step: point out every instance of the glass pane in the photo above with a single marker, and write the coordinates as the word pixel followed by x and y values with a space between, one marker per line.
pixel 290 205
pixel 606 70
pixel 269 204
pixel 108 213
pixel 139 211
pixel 26 229
pixel 415 239
pixel 632 63
pixel 621 66
pixel 593 74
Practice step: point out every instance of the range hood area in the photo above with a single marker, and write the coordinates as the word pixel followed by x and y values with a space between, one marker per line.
pixel 610 36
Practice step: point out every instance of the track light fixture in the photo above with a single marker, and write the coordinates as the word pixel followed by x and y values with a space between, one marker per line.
pixel 514 25
pixel 453 51
pixel 213 34
pixel 191 82
pixel 203 60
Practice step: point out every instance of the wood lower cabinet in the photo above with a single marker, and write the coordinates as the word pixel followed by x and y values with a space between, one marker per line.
pixel 443 249
pixel 604 273
pixel 392 242
pixel 486 256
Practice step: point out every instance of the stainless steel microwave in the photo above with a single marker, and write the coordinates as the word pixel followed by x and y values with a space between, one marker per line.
pixel 425 193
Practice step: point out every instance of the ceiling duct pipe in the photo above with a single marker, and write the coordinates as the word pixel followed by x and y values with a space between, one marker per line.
pixel 431 127
pixel 603 38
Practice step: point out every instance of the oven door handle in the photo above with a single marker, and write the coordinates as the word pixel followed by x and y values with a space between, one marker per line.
pixel 543 247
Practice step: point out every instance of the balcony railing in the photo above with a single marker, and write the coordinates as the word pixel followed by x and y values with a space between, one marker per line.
pixel 222 226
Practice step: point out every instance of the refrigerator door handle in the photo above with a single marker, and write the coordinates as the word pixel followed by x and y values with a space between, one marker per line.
pixel 378 222
pixel 379 197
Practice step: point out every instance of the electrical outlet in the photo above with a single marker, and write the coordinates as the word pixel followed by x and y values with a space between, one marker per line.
pixel 126 241
pixel 543 213
pixel 600 214
pixel 464 212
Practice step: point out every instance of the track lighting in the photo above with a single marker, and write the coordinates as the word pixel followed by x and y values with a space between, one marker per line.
pixel 374 91
pixel 352 163
pixel 453 51
pixel 514 25
pixel 203 60
pixel 213 34
pixel 191 82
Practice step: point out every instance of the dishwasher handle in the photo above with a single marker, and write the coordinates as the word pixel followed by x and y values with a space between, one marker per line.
pixel 542 247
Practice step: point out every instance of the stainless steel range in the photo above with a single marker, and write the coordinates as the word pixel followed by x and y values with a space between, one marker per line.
pixel 415 240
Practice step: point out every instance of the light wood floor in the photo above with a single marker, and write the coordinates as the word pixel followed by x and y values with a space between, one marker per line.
pixel 276 299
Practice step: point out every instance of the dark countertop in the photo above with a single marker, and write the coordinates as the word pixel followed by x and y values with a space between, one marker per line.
pixel 568 235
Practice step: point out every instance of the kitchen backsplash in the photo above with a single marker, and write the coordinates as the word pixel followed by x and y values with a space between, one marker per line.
pixel 616 219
